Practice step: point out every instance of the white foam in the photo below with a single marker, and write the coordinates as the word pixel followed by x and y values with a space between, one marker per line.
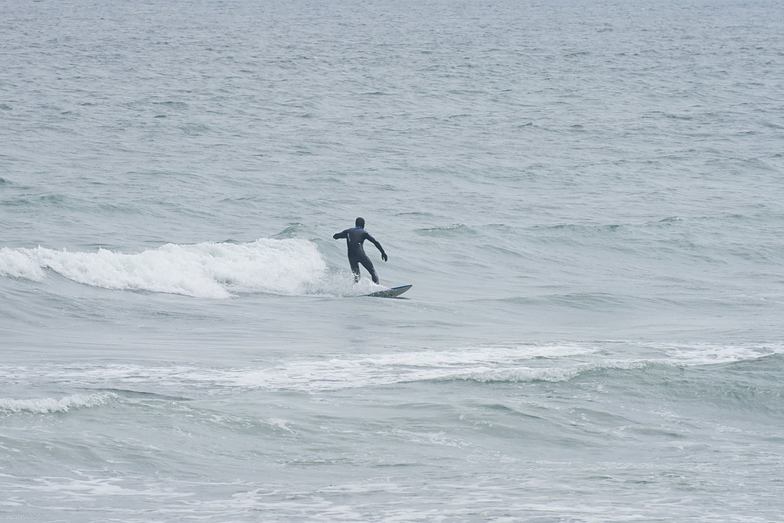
pixel 51 405
pixel 92 488
pixel 707 354
pixel 280 424
pixel 17 263
pixel 210 270
pixel 511 363
pixel 398 367
pixel 321 372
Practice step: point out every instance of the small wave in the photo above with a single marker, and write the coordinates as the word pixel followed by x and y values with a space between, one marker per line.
pixel 130 393
pixel 673 116
pixel 405 367
pixel 416 214
pixel 55 405
pixel 580 227
pixel 555 363
pixel 209 270
pixel 585 300
pixel 194 129
pixel 314 374
pixel 174 104
pixel 490 364
pixel 580 300
pixel 546 374
pixel 291 230
pixel 711 354
pixel 456 229
pixel 44 200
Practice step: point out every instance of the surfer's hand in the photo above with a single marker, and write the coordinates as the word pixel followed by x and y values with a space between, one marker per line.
pixel 335 236
pixel 384 256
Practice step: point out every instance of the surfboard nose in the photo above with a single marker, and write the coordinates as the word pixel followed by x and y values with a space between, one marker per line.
pixel 390 293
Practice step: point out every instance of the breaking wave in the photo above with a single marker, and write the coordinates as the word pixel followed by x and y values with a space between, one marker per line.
pixel 55 405
pixel 208 270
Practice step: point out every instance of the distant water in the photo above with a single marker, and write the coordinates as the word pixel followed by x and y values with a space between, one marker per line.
pixel 586 195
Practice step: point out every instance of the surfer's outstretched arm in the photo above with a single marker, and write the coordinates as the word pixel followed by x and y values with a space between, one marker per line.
pixel 378 246
pixel 339 235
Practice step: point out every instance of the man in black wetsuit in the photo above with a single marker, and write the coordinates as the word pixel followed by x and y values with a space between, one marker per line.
pixel 356 254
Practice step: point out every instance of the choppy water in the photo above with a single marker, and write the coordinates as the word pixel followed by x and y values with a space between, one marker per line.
pixel 586 196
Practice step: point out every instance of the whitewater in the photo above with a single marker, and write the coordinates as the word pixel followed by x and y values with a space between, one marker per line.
pixel 586 196
pixel 207 270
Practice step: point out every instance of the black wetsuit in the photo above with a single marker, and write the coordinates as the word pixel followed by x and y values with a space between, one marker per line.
pixel 356 254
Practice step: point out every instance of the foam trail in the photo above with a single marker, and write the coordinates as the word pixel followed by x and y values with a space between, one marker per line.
pixel 209 270
pixel 341 283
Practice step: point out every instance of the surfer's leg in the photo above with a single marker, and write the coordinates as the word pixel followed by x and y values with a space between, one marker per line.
pixel 368 265
pixel 354 268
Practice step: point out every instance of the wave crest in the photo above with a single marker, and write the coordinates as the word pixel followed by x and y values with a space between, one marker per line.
pixel 209 270
pixel 55 405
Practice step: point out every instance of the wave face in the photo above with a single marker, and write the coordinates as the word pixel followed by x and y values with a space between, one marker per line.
pixel 207 270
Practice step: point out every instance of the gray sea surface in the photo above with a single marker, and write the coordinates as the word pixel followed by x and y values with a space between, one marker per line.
pixel 587 197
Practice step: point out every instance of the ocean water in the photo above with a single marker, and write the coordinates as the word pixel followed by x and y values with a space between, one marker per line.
pixel 587 197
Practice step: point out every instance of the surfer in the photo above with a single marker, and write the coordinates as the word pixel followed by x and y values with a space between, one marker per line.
pixel 356 254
